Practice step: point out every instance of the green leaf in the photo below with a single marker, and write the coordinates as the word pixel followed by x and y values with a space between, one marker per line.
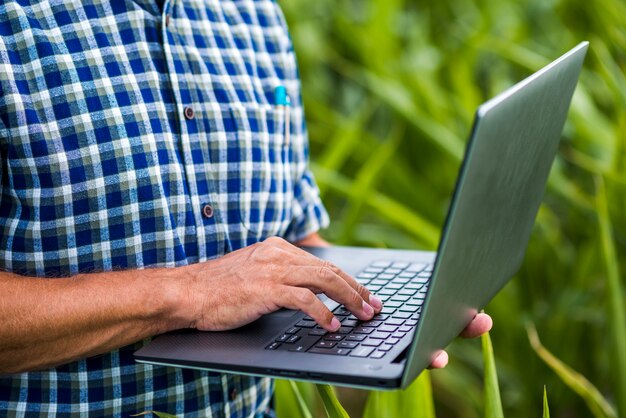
pixel 289 400
pixel 546 409
pixel 616 317
pixel 331 404
pixel 416 401
pixel 598 405
pixel 493 403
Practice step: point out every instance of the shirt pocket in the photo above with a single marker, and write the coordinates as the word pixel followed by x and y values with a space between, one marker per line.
pixel 265 175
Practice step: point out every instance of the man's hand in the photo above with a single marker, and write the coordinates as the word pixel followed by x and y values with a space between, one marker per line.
pixel 239 287
pixel 480 325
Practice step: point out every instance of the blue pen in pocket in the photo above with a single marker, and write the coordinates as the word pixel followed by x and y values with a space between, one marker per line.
pixel 282 102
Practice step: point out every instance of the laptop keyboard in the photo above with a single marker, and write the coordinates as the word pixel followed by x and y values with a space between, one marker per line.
pixel 401 287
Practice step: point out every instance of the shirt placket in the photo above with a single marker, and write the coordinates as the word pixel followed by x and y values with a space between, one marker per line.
pixel 209 226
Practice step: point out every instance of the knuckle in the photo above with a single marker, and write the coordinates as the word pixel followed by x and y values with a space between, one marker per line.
pixel 362 291
pixel 304 297
pixel 274 241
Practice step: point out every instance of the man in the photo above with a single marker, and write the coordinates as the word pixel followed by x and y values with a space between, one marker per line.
pixel 144 170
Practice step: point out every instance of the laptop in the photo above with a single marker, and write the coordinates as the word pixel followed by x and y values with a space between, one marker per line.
pixel 428 297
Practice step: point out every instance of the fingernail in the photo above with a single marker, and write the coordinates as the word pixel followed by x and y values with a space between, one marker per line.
pixel 335 324
pixel 375 302
pixel 369 311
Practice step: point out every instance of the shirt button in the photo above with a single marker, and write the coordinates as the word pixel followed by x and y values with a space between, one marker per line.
pixel 233 395
pixel 189 113
pixel 207 211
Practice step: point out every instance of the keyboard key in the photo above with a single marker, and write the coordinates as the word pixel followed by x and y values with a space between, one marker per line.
pixel 326 344
pixel 416 267
pixel 373 270
pixel 424 275
pixel 403 315
pixel 372 324
pixel 407 292
pixel 292 330
pixel 341 311
pixel 407 274
pixel 299 348
pixel 333 337
pixel 372 342
pixel 292 339
pixel 398 334
pixel 373 288
pixel 400 298
pixel 378 354
pixel 378 282
pixel 414 286
pixel 380 317
pixel 366 275
pixel 388 310
pixel 347 344
pixel 394 286
pixel 306 324
pixel 387 328
pixel 381 264
pixel 273 346
pixel 385 347
pixel 380 335
pixel 415 302
pixel 333 351
pixel 400 280
pixel 405 329
pixel 386 292
pixel 349 323
pixel 400 265
pixel 357 337
pixel 282 338
pixel 392 271
pixel 411 322
pixel 394 321
pixel 344 330
pixel 386 276
pixel 409 308
pixel 363 330
pixel 361 352
pixel 392 340
pixel 318 332
pixel 393 304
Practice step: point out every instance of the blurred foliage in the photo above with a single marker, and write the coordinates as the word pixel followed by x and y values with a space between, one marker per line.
pixel 390 89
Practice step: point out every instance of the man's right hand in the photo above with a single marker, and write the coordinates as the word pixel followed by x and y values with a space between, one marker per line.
pixel 236 289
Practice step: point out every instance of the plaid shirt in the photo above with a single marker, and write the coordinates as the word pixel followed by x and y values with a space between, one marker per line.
pixel 137 134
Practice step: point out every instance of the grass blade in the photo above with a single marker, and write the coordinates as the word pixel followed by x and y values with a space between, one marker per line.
pixel 598 405
pixel 617 320
pixel 416 401
pixel 331 404
pixel 546 409
pixel 493 403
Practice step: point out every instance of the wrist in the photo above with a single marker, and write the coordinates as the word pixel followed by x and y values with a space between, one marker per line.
pixel 175 309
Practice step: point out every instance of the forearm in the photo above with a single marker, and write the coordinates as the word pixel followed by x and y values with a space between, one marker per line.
pixel 47 322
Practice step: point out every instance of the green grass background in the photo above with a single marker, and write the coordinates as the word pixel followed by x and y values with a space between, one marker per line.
pixel 390 88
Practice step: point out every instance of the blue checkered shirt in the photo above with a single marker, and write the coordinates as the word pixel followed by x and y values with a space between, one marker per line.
pixel 122 124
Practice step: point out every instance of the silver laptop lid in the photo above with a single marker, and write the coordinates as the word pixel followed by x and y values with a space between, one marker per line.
pixel 498 192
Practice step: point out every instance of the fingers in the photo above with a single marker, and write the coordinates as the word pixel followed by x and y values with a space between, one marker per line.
pixel 481 324
pixel 439 361
pixel 321 276
pixel 306 301
pixel 326 280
